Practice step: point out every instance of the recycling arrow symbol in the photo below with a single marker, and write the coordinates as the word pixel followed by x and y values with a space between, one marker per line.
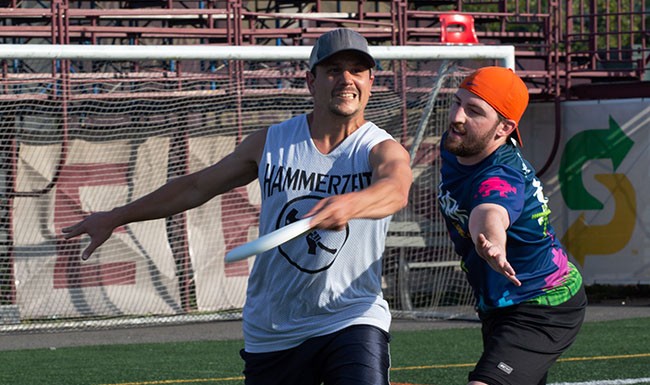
pixel 611 144
pixel 581 238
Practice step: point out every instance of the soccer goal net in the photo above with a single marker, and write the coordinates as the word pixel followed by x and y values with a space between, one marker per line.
pixel 88 128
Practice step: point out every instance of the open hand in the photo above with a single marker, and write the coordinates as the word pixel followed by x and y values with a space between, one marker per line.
pixel 495 256
pixel 98 226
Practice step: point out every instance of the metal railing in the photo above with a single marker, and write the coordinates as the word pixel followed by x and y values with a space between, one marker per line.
pixel 560 44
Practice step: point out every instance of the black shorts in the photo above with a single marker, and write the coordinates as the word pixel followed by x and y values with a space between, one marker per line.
pixel 355 355
pixel 521 342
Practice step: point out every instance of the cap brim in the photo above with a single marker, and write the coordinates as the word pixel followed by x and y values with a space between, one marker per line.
pixel 370 61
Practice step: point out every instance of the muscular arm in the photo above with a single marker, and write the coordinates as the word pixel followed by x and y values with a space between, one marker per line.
pixel 236 169
pixel 487 225
pixel 388 192
pixel 183 193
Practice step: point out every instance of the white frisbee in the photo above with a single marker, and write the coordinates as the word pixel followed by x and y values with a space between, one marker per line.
pixel 270 240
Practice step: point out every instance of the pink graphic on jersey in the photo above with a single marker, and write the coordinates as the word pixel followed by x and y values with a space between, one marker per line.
pixel 496 184
pixel 561 260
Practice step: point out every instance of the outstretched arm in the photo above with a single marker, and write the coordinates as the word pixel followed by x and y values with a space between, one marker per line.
pixel 388 192
pixel 237 169
pixel 487 224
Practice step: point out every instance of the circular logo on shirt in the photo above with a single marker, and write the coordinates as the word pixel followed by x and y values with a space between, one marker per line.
pixel 315 250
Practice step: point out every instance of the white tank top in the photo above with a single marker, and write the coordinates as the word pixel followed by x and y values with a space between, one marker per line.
pixel 323 281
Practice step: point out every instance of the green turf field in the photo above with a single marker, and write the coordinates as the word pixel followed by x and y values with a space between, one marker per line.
pixel 604 352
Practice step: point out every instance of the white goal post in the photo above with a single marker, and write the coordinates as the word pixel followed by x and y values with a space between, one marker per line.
pixel 505 54
pixel 87 128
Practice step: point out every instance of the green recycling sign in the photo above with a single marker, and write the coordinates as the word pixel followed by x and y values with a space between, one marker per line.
pixel 602 172
pixel 582 238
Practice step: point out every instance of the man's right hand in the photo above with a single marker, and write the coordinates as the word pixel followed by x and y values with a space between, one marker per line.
pixel 99 226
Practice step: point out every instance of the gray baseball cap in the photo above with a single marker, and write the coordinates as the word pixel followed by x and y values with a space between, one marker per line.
pixel 338 40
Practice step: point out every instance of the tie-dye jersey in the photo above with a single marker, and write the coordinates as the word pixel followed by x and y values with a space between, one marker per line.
pixel 540 262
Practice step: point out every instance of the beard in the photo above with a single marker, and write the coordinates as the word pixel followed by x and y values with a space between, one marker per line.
pixel 469 144
pixel 343 109
pixel 336 110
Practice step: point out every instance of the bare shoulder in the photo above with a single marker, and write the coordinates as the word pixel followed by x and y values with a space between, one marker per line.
pixel 236 169
pixel 389 149
pixel 389 159
pixel 251 147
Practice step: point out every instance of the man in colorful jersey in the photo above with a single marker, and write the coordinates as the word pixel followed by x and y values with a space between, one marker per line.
pixel 314 310
pixel 529 297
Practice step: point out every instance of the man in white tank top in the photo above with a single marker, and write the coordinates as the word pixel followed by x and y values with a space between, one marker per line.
pixel 314 311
